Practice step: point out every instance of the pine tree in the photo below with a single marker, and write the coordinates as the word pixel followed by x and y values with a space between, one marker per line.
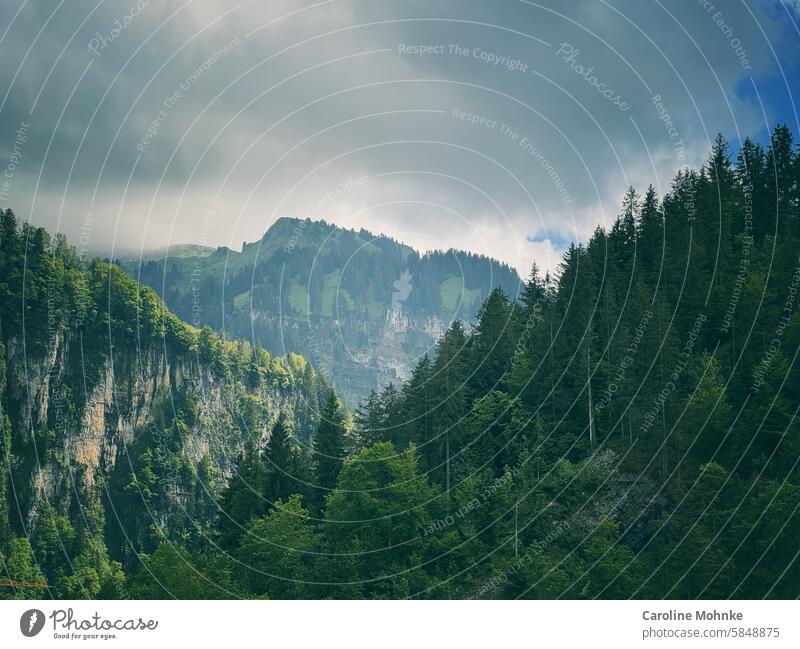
pixel 492 343
pixel 417 401
pixel 279 550
pixel 450 399
pixel 369 420
pixel 780 187
pixel 383 525
pixel 533 292
pixel 329 449
pixel 277 459
pixel 650 253
pixel 622 238
pixel 752 178
pixel 242 499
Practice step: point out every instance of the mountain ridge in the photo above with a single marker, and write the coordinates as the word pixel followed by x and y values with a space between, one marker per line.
pixel 361 306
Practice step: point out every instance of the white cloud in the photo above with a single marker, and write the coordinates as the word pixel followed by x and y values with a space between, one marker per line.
pixel 265 139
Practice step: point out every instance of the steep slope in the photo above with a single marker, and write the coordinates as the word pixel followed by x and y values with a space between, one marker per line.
pixel 362 307
pixel 120 423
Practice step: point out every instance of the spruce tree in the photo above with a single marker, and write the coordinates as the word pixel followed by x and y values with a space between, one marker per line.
pixel 243 499
pixel 277 460
pixel 492 342
pixel 329 449
pixel 649 255
pixel 416 417
pixel 368 420
pixel 450 399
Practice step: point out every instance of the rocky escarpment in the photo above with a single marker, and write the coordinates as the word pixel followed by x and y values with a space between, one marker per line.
pixel 91 432
pixel 362 354
pixel 143 410
pixel 119 421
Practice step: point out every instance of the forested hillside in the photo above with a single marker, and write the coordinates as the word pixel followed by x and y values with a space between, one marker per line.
pixel 636 414
pixel 625 429
pixel 120 423
pixel 359 306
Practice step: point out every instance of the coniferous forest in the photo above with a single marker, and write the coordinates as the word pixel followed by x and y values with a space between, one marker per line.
pixel 625 427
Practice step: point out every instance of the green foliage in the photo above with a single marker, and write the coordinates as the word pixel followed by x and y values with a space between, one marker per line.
pixel 20 566
pixel 278 552
pixel 278 455
pixel 173 572
pixel 626 429
pixel 82 497
pixel 375 513
pixel 243 498
pixel 332 288
pixel 329 449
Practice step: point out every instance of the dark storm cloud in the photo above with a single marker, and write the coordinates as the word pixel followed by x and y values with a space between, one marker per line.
pixel 496 126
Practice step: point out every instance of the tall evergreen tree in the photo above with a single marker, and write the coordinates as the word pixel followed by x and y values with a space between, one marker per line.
pixel 450 399
pixel 243 498
pixel 278 458
pixel 650 253
pixel 329 449
pixel 492 342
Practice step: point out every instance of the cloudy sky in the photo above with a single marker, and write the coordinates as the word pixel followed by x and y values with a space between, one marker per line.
pixel 506 127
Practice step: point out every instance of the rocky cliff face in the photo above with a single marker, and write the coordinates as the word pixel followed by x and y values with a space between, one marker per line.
pixel 129 410
pixel 118 419
pixel 360 354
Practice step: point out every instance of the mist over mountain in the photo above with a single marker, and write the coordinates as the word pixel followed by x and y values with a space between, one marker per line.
pixel 362 307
